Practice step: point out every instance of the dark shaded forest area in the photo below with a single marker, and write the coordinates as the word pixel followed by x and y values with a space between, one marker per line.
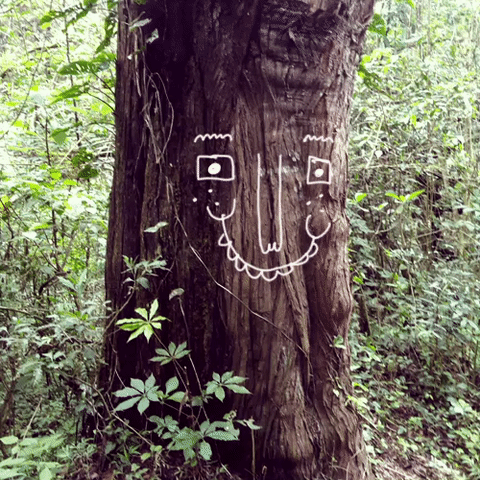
pixel 413 206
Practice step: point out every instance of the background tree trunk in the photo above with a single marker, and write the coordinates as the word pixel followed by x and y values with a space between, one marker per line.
pixel 268 73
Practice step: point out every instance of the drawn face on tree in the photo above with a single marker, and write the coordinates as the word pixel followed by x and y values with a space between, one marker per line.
pixel 222 169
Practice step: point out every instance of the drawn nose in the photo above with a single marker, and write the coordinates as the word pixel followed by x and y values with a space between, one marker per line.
pixel 271 247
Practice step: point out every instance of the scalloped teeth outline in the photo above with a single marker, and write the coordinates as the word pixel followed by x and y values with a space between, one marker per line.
pixel 268 274
pixel 212 136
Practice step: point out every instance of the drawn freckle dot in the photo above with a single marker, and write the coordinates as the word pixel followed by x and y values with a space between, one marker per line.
pixel 318 172
pixel 214 168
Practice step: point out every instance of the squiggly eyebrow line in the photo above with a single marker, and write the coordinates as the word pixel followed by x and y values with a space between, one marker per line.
pixel 317 139
pixel 212 136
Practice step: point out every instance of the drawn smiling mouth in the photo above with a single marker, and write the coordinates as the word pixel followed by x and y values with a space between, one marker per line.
pixel 268 274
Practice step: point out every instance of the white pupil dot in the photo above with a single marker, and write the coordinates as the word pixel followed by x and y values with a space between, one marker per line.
pixel 214 168
pixel 318 172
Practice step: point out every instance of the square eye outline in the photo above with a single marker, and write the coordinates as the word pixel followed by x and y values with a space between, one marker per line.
pixel 311 166
pixel 203 158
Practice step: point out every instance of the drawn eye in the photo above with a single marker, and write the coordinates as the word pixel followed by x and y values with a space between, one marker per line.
pixel 215 167
pixel 318 171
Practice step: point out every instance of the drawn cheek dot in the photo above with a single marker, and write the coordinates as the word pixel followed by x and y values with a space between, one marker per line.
pixel 318 172
pixel 214 168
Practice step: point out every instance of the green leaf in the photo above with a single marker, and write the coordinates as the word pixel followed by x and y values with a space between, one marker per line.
pixel 10 440
pixel 59 136
pixel 223 435
pixel 150 382
pixel 142 281
pixel 140 23
pixel 238 389
pixel 378 25
pixel 153 308
pixel 4 474
pixel 359 197
pixel 205 450
pixel 179 397
pixel 176 293
pixel 414 195
pixel 156 227
pixel 138 384
pixel 227 378
pixel 137 333
pixel 73 92
pixel 392 195
pixel 143 404
pixel 220 393
pixel 79 67
pixel 153 36
pixel 88 172
pixel 148 332
pixel 127 404
pixel 126 392
pixel 45 474
pixel 171 385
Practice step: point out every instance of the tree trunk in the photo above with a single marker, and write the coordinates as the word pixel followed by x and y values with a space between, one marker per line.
pixel 257 229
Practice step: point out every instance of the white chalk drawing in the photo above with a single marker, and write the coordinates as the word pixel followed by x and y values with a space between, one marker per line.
pixel 212 136
pixel 222 168
pixel 268 274
pixel 318 171
pixel 215 167
pixel 272 247
pixel 314 138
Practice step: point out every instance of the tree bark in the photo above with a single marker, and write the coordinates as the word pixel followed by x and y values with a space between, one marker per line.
pixel 268 73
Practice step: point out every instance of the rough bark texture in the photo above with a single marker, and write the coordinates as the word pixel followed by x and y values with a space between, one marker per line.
pixel 267 72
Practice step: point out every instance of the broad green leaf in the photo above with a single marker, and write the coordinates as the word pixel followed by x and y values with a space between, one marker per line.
pixel 127 404
pixel 8 473
pixel 378 25
pixel 238 389
pixel 10 440
pixel 147 331
pixel 126 392
pixel 138 384
pixel 143 404
pixel 171 385
pixel 137 332
pixel 205 450
pixel 223 435
pixel 45 474
pixel 180 397
pixel 59 136
pixel 150 382
pixel 220 393
pixel 232 379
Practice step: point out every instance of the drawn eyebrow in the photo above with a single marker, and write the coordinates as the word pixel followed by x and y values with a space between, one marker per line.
pixel 317 139
pixel 211 136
